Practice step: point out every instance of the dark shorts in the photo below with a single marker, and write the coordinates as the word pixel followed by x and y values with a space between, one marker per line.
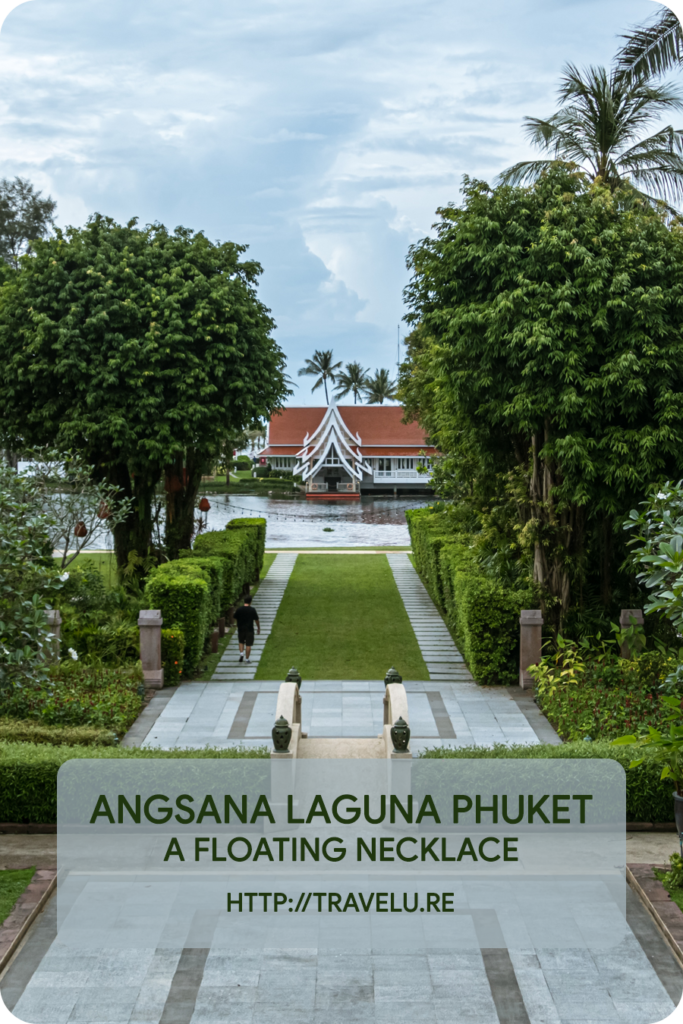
pixel 246 636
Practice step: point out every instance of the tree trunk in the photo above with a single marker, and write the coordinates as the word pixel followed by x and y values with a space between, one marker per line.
pixel 135 532
pixel 182 486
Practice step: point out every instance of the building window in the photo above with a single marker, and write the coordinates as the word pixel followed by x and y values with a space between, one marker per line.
pixel 282 462
pixel 384 465
pixel 405 463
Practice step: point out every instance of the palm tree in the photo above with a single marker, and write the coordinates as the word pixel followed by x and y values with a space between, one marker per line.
pixel 652 49
pixel 354 379
pixel 600 125
pixel 379 387
pixel 322 367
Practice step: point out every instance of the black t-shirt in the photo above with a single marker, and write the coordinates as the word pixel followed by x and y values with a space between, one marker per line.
pixel 245 617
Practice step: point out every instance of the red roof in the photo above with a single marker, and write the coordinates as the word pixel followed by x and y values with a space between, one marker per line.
pixel 379 426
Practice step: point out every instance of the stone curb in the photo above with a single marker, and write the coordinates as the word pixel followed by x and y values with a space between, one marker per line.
pixel 24 913
pixel 666 914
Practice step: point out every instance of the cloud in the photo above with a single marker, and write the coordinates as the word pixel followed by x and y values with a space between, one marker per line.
pixel 324 135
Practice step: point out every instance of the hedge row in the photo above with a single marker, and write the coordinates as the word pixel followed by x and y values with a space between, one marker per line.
pixel 195 590
pixel 28 773
pixel 482 614
pixel 29 731
pixel 648 798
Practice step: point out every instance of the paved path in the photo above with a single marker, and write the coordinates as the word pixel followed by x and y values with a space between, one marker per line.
pixel 636 982
pixel 444 661
pixel 270 593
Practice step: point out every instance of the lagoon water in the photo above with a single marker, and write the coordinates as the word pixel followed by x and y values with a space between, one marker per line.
pixel 299 523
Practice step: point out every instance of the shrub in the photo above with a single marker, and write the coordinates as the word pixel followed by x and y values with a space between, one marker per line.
pixel 29 731
pixel 80 694
pixel 215 570
pixel 28 773
pixel 241 546
pixel 256 542
pixel 263 471
pixel 243 462
pixel 172 653
pixel 648 798
pixel 182 592
pixel 482 613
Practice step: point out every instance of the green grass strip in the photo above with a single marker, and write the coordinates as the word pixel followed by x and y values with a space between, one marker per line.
pixel 341 617
pixel 12 884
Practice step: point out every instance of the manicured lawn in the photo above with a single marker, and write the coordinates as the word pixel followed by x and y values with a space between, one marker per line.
pixel 341 618
pixel 12 884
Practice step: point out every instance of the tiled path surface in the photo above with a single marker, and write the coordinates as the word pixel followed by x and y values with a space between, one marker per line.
pixel 270 592
pixel 636 982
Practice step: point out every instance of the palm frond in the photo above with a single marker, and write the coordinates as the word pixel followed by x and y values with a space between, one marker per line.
pixel 652 49
pixel 526 172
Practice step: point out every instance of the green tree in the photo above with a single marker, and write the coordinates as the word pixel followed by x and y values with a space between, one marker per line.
pixel 24 216
pixel 601 126
pixel 380 388
pixel 352 380
pixel 654 48
pixel 549 355
pixel 141 349
pixel 322 367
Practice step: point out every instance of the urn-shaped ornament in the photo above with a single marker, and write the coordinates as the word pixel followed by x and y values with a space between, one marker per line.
pixel 392 676
pixel 282 734
pixel 80 529
pixel 293 677
pixel 400 736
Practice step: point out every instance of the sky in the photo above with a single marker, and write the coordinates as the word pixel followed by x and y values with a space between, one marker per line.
pixel 322 133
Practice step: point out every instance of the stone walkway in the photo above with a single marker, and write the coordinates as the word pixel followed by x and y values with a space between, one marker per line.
pixel 270 593
pixel 444 661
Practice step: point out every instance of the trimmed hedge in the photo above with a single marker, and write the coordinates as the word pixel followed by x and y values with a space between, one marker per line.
pixel 241 547
pixel 172 653
pixel 482 614
pixel 648 798
pixel 28 731
pixel 182 592
pixel 28 773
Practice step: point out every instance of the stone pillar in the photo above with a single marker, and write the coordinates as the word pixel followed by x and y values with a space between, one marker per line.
pixel 150 623
pixel 627 614
pixel 530 644
pixel 54 621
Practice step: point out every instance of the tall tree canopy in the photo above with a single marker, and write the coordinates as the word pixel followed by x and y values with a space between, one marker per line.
pixel 142 349
pixel 379 388
pixel 548 351
pixel 322 367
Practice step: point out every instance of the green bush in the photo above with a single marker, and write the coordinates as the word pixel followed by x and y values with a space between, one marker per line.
pixel 243 462
pixel 256 541
pixel 28 773
pixel 482 613
pixel 172 653
pixel 648 798
pixel 215 569
pixel 241 546
pixel 263 471
pixel 182 592
pixel 104 696
pixel 30 731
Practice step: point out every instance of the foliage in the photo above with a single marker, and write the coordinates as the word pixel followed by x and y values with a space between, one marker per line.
pixel 599 128
pixel 73 498
pixel 654 48
pixel 658 548
pixel 29 772
pixel 352 380
pixel 183 593
pixel 24 217
pixel 29 731
pixel 244 462
pixel 322 367
pixel 380 388
pixel 28 581
pixel 481 611
pixel 141 349
pixel 79 694
pixel 647 797
pixel 241 547
pixel 673 879
pixel 547 367
pixel 666 747
pixel 172 653
pixel 98 624
pixel 591 691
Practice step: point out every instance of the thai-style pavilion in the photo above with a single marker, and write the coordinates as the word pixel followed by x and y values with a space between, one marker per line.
pixel 346 451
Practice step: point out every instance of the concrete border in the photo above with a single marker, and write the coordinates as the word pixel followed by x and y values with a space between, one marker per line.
pixel 666 914
pixel 24 912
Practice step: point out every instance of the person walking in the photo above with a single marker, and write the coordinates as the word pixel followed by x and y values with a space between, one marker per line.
pixel 245 617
